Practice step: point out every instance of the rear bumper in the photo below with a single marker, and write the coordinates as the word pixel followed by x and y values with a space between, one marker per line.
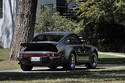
pixel 44 61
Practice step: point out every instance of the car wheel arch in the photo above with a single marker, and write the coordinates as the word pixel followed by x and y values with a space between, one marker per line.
pixel 94 50
pixel 67 63
pixel 92 61
pixel 67 53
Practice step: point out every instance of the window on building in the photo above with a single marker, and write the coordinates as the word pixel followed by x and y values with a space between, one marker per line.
pixel 61 6
pixel 1 8
pixel 50 6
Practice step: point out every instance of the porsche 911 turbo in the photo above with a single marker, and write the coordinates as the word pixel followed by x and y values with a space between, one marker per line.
pixel 53 49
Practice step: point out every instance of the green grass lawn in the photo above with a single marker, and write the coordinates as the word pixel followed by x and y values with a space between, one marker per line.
pixel 4 54
pixel 5 64
pixel 74 76
pixel 109 59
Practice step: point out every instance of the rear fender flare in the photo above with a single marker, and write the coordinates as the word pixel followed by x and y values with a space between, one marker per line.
pixel 68 51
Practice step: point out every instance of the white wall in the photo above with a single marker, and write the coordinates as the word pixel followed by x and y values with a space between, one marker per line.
pixel 7 23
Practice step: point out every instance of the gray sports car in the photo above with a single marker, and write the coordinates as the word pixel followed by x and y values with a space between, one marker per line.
pixel 53 49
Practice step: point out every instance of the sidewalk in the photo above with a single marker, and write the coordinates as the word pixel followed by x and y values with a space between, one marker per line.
pixel 113 53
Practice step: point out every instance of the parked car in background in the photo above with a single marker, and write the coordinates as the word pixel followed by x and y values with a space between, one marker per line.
pixel 53 49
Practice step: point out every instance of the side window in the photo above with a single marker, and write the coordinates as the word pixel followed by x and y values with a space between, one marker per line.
pixel 39 38
pixel 73 40
pixel 1 8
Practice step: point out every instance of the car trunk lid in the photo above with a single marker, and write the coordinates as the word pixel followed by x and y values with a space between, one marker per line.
pixel 40 46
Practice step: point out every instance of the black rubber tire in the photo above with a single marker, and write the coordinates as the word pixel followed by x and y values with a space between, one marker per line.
pixel 71 63
pixel 93 62
pixel 26 67
pixel 53 67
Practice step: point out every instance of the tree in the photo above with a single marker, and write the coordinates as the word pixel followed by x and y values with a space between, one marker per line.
pixel 25 23
pixel 101 20
pixel 56 22
pixel 101 10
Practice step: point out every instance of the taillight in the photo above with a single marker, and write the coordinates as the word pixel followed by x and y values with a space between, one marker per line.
pixel 38 55
pixel 25 55
pixel 48 54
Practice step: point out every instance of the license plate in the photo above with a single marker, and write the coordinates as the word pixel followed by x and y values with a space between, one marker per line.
pixel 35 58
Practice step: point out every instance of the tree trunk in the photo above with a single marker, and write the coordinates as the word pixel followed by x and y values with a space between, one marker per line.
pixel 25 23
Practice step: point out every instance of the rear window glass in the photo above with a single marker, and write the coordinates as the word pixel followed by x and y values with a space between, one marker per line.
pixel 54 38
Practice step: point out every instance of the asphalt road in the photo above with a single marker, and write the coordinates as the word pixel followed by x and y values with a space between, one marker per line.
pixel 60 70
pixel 81 67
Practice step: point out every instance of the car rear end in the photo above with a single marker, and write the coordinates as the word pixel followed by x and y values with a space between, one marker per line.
pixel 43 50
pixel 40 54
pixel 40 58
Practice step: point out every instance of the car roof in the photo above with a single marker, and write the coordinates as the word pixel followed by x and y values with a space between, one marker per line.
pixel 58 33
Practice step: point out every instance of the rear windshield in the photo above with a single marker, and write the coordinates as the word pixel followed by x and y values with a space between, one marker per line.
pixel 54 38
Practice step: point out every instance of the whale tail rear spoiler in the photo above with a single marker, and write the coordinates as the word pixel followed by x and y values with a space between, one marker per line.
pixel 39 47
